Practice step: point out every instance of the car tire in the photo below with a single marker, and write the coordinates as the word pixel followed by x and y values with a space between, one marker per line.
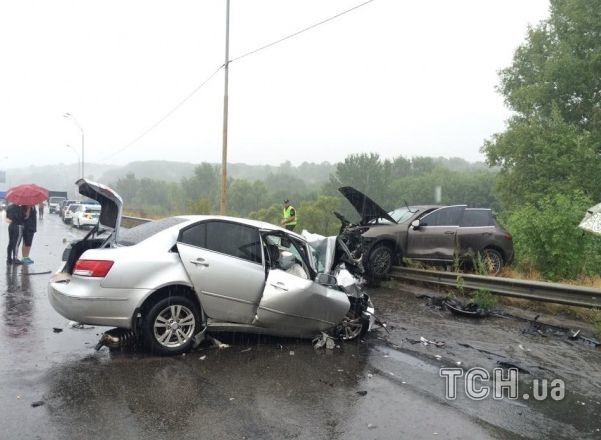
pixel 353 327
pixel 493 261
pixel 380 261
pixel 177 313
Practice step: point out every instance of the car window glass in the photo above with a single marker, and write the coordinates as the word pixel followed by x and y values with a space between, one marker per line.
pixel 448 216
pixel 283 253
pixel 234 239
pixel 476 217
pixel 135 235
pixel 401 215
pixel 195 236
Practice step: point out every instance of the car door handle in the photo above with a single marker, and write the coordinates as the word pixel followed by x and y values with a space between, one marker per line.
pixel 280 285
pixel 199 262
pixel 449 232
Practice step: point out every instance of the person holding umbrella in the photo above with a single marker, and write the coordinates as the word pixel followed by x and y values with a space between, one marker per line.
pixel 27 196
pixel 29 229
pixel 14 215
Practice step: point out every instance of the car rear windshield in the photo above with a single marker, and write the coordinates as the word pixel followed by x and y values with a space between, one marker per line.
pixel 130 237
pixel 92 208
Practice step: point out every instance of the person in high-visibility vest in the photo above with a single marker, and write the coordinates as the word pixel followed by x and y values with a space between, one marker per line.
pixel 289 220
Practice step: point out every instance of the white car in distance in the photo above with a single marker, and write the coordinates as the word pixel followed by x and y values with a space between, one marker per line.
pixel 85 215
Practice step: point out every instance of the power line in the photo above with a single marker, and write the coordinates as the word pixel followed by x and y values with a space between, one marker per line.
pixel 252 52
pixel 169 113
pixel 340 14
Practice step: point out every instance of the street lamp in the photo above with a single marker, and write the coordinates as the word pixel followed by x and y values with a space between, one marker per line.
pixel 77 154
pixel 70 116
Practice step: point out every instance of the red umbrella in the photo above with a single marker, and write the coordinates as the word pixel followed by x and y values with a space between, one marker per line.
pixel 28 194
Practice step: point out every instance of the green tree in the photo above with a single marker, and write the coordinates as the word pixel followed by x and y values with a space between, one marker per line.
pixel 316 216
pixel 552 144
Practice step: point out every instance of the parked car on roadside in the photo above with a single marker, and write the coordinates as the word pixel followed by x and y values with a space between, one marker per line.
pixel 168 280
pixel 434 234
pixel 85 215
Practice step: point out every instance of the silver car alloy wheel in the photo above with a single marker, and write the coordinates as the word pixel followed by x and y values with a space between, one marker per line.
pixel 174 326
pixel 350 328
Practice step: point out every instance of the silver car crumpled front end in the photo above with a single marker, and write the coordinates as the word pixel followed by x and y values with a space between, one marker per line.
pixel 348 273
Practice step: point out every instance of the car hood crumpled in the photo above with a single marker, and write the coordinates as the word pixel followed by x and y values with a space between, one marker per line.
pixel 366 207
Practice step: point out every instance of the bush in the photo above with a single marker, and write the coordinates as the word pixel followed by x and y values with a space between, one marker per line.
pixel 547 237
pixel 484 299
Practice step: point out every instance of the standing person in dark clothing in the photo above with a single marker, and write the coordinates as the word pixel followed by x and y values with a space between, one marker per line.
pixel 29 229
pixel 14 214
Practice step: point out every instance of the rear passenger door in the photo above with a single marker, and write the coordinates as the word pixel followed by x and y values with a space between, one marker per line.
pixel 224 262
pixel 476 230
pixel 435 238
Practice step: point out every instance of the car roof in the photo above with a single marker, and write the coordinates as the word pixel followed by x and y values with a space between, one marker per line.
pixel 245 221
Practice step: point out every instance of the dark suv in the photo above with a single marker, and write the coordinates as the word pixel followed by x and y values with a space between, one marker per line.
pixel 429 233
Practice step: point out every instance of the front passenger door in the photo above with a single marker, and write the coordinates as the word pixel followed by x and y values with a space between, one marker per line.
pixel 435 239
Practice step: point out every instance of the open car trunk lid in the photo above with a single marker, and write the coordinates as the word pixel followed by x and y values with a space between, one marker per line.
pixel 366 207
pixel 111 204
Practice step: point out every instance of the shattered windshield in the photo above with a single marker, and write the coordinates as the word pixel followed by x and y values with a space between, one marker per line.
pixel 399 215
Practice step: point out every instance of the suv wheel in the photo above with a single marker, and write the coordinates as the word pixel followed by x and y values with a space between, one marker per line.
pixel 493 261
pixel 170 325
pixel 379 261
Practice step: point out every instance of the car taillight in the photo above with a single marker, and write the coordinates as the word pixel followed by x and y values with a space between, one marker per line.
pixel 92 268
pixel 508 237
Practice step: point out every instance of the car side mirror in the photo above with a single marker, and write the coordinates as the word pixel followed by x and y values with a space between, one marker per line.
pixel 326 280
pixel 415 224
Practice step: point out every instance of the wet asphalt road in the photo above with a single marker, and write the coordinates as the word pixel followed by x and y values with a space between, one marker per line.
pixel 271 388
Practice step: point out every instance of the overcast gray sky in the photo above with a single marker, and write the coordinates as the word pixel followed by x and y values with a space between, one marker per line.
pixel 393 77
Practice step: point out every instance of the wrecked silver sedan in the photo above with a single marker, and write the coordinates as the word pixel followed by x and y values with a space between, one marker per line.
pixel 168 282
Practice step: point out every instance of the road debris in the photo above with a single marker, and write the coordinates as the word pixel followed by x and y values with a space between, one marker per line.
pixel 216 342
pixel 362 393
pixel 246 350
pixel 291 352
pixel 37 403
pixel 470 309
pixel 324 340
pixel 79 325
pixel 427 342
pixel 371 426
pixel 57 330
pixel 203 357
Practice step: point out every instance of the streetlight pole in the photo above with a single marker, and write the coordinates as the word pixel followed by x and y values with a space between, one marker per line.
pixel 70 116
pixel 78 156
pixel 223 201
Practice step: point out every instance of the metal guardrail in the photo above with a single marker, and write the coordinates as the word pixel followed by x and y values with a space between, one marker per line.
pixel 129 222
pixel 531 290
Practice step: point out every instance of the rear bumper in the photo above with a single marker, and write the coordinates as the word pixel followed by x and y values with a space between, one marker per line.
pixel 87 221
pixel 83 300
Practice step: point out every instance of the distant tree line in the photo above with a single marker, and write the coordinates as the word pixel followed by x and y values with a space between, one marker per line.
pixel 391 183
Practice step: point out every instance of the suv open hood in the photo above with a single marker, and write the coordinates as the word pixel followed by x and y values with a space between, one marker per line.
pixel 366 207
pixel 111 203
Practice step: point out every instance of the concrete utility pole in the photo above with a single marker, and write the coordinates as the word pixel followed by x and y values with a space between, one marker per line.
pixel 223 204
